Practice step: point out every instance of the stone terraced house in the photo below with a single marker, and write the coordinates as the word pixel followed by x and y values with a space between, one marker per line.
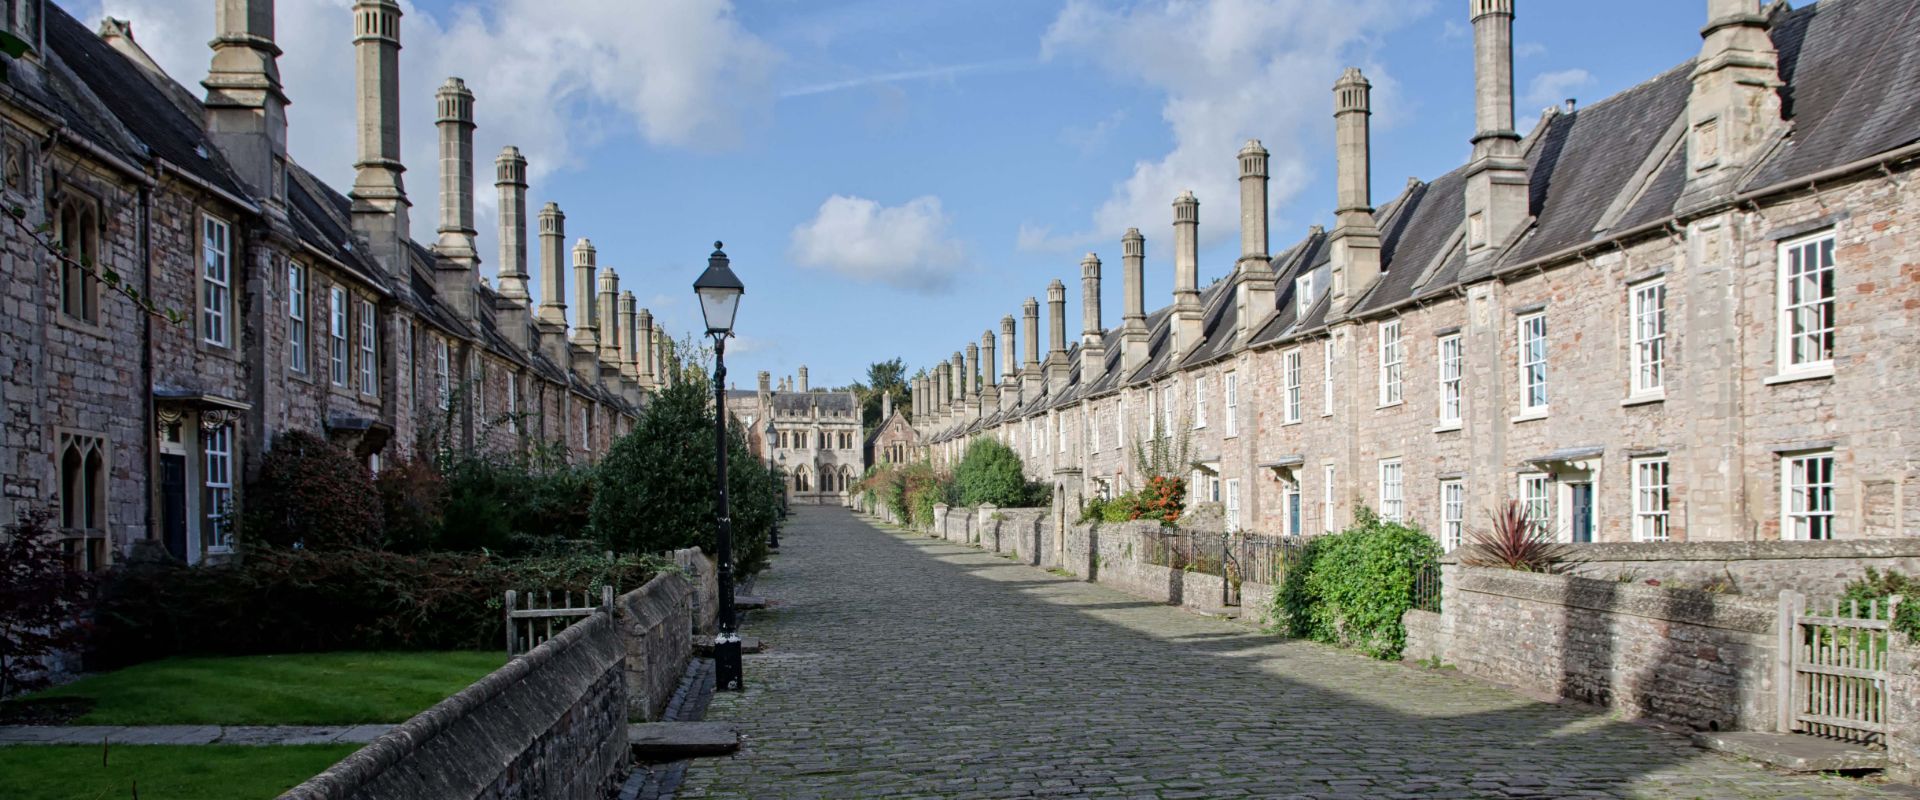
pixel 811 435
pixel 1690 311
pixel 305 309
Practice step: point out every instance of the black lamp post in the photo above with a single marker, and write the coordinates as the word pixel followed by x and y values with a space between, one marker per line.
pixel 719 292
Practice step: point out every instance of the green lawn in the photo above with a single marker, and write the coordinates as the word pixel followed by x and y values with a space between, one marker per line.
pixel 203 772
pixel 298 689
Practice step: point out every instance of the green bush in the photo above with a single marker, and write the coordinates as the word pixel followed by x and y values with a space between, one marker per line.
pixel 1881 586
pixel 282 601
pixel 413 504
pixel 990 472
pixel 311 494
pixel 1351 588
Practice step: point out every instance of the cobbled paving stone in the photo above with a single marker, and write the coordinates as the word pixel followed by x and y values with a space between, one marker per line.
pixel 903 666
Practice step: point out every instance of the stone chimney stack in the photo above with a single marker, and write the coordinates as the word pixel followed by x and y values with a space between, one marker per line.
pixel 1057 339
pixel 629 337
pixel 649 365
pixel 380 207
pixel 766 383
pixel 886 406
pixel 246 111
pixel 1188 320
pixel 586 328
pixel 989 383
pixel 1734 107
pixel 455 120
pixel 608 318
pixel 456 261
pixel 1355 254
pixel 1254 289
pixel 552 320
pixel 1133 321
pixel 1030 369
pixel 972 380
pixel 803 378
pixel 1093 348
pixel 510 177
pixel 1009 363
pixel 937 404
pixel 1496 195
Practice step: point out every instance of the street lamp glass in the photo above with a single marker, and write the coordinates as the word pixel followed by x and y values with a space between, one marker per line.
pixel 719 291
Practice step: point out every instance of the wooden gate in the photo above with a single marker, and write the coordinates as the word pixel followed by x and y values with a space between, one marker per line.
pixel 1834 680
pixel 533 618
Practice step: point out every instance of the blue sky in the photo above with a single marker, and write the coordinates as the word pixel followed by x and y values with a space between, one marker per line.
pixel 890 176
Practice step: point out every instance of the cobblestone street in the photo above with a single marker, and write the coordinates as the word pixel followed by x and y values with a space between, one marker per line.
pixel 902 666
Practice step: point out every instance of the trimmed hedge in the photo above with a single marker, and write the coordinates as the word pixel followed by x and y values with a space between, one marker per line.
pixel 1351 588
pixel 990 472
pixel 283 601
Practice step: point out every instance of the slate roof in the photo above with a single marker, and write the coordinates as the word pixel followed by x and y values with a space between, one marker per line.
pixel 802 402
pixel 1852 73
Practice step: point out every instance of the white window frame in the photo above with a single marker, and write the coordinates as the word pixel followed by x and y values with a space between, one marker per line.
pixel 1453 513
pixel 369 349
pixel 1392 360
pixel 1303 298
pixel 216 474
pixel 1536 496
pixel 442 371
pixel 1290 380
pixel 477 378
pixel 1120 422
pixel 1531 344
pixel 337 335
pixel 1200 402
pixel 1060 429
pixel 1090 417
pixel 1806 326
pixel 1230 384
pixel 1233 505
pixel 1168 402
pixel 1652 498
pixel 1328 503
pixel 1648 318
pixel 296 317
pixel 1393 490
pixel 513 394
pixel 1451 358
pixel 586 429
pixel 216 281
pixel 1326 378
pixel 1807 496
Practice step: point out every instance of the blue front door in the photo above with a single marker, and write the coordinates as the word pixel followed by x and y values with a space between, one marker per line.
pixel 1582 511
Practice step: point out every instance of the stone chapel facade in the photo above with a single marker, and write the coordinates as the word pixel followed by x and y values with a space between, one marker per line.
pixel 1690 311
pixel 811 436
pixel 302 308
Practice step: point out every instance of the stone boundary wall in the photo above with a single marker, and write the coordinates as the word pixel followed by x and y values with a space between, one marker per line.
pixel 549 724
pixel 1681 656
pixel 656 622
pixel 1819 569
pixel 705 577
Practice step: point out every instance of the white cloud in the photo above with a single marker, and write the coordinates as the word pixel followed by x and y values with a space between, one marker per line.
pixel 550 76
pixel 1231 70
pixel 937 74
pixel 1529 50
pixel 1550 88
pixel 905 246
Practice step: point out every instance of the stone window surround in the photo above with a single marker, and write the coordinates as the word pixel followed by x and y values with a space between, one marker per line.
pixel 1453 512
pixel 1230 389
pixel 92 228
pixel 366 352
pixel 339 326
pixel 203 220
pixel 95 452
pixel 1291 386
pixel 1823 490
pixel 1647 299
pixel 299 312
pixel 1523 319
pixel 1651 481
pixel 1784 370
pixel 1200 401
pixel 1450 372
pixel 1393 489
pixel 1393 359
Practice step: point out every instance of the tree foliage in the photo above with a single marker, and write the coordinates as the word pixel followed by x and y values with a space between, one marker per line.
pixel 314 495
pixel 1351 588
pixel 990 472
pixel 42 600
pixel 883 378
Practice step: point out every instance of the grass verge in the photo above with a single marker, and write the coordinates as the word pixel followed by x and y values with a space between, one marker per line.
pixel 294 689
pixel 203 772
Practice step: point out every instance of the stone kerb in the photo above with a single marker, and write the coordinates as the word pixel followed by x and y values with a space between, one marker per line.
pixel 657 620
pixel 705 577
pixel 549 724
pixel 1681 656
pixel 939 520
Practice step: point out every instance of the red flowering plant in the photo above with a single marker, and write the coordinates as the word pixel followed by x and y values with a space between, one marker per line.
pixel 1162 457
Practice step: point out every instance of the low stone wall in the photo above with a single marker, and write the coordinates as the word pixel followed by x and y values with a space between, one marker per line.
pixel 705 577
pixel 549 724
pixel 1818 569
pixel 1256 603
pixel 1426 638
pixel 657 621
pixel 1903 712
pixel 1687 657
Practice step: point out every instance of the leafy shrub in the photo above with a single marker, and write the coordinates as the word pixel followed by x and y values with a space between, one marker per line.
pixel 1161 500
pixel 1514 541
pixel 1881 586
pixel 41 596
pixel 279 601
pixel 1351 588
pixel 920 489
pixel 312 494
pixel 990 472
pixel 413 504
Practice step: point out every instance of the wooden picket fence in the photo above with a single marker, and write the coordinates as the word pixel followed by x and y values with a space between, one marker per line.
pixel 1835 673
pixel 533 617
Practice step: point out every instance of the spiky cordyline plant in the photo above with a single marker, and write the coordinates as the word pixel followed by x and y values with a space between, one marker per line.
pixel 1514 541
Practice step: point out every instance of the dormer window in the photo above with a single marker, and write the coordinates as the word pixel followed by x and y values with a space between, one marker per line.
pixel 1303 290
pixel 22 21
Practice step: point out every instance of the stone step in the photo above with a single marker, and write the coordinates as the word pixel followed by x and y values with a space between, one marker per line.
pixel 703 646
pixel 749 602
pixel 1793 751
pixel 654 742
pixel 1229 612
